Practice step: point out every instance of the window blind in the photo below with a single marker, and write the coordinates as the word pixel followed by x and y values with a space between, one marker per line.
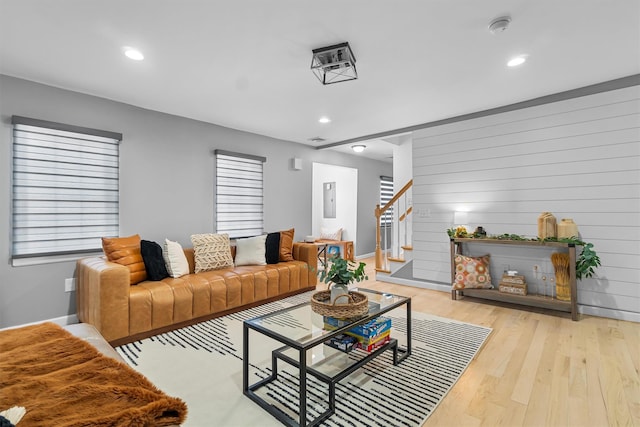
pixel 239 194
pixel 64 189
pixel 386 194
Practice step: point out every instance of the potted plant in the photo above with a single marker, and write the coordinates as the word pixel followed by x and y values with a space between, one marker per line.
pixel 341 274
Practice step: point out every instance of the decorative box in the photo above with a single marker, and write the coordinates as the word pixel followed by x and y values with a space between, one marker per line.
pixel 516 285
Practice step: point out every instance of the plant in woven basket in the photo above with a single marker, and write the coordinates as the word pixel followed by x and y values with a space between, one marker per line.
pixel 343 272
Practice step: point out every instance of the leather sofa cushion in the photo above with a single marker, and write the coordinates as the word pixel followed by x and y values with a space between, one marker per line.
pixel 286 245
pixel 126 251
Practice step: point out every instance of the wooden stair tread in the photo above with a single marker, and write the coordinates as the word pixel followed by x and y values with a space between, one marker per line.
pixel 396 259
pixel 407 248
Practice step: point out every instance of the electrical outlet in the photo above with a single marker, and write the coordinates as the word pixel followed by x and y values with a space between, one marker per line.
pixel 69 285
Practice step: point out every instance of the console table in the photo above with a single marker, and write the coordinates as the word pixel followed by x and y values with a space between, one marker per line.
pixel 528 300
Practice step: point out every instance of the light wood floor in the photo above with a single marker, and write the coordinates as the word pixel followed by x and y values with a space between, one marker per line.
pixel 536 368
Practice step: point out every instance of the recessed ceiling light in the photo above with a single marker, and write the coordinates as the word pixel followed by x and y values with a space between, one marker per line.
pixel 324 120
pixel 133 53
pixel 518 60
pixel 358 148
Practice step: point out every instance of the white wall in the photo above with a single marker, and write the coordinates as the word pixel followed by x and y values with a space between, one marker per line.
pixel 578 158
pixel 346 180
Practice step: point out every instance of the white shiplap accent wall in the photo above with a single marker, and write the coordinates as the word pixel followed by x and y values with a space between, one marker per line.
pixel 578 158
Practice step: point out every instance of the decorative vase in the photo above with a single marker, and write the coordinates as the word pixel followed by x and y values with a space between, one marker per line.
pixel 479 232
pixel 546 225
pixel 336 291
pixel 560 263
pixel 567 228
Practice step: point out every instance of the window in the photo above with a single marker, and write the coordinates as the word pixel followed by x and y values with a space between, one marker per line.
pixel 386 194
pixel 64 189
pixel 239 190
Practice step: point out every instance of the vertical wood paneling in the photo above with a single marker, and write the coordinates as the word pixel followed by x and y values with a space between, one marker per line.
pixel 578 158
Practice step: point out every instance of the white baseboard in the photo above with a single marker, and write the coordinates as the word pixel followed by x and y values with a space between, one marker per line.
pixel 415 283
pixel 70 319
pixel 629 316
pixel 369 255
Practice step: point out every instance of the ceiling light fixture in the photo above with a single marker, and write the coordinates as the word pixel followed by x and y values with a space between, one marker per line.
pixel 358 148
pixel 518 60
pixel 133 53
pixel 324 120
pixel 334 64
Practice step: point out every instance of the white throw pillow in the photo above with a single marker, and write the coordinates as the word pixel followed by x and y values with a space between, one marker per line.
pixel 211 251
pixel 251 251
pixel 175 259
pixel 330 234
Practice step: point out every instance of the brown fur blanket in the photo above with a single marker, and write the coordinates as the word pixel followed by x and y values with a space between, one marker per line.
pixel 62 380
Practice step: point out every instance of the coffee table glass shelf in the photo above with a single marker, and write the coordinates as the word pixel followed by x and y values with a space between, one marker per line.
pixel 302 333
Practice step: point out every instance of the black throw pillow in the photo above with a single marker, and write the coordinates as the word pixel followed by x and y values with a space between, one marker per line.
pixel 272 248
pixel 153 260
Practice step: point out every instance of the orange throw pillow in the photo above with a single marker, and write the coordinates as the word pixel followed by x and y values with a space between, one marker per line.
pixel 126 251
pixel 286 245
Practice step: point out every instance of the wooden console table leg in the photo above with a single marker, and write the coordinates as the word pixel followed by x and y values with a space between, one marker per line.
pixel 572 282
pixel 454 294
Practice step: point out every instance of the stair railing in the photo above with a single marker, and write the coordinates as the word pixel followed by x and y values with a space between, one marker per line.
pixel 398 210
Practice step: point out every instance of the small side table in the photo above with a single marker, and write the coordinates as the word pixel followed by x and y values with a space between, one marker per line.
pixel 322 253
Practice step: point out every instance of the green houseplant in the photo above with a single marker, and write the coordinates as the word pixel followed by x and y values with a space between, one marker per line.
pixel 341 274
pixel 587 261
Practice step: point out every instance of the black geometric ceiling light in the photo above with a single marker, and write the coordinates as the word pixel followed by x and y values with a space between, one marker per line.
pixel 334 64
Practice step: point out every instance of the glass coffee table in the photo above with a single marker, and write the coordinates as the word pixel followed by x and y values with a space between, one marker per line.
pixel 302 333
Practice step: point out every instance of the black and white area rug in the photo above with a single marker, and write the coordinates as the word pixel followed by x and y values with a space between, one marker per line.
pixel 202 364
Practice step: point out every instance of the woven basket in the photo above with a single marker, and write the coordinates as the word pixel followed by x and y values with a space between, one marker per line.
pixel 358 305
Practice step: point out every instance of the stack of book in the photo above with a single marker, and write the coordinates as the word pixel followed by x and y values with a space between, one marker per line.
pixel 372 334
pixel 368 336
pixel 513 284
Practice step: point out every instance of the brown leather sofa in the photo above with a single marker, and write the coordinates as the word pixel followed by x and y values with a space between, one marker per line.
pixel 124 313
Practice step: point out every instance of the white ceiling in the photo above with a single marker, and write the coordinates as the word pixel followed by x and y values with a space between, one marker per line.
pixel 245 64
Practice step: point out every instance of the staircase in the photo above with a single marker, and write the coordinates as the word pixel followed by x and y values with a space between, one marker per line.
pixel 394 229
pixel 394 247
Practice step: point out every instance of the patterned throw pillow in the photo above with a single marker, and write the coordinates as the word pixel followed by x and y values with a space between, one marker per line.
pixel 211 251
pixel 472 272
pixel 126 251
